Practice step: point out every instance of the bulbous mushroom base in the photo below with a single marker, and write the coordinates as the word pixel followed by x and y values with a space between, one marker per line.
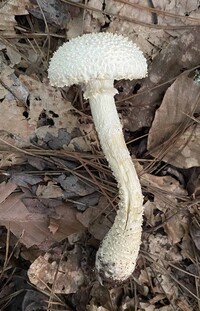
pixel 117 255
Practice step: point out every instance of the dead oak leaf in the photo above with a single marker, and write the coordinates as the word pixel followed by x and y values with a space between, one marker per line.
pixel 31 225
pixel 181 54
pixel 69 276
pixel 13 121
pixel 29 228
pixel 63 129
pixel 44 98
pixel 180 101
pixel 176 225
pixel 150 40
pixel 65 221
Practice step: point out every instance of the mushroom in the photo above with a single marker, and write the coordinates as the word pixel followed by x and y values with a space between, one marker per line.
pixel 95 61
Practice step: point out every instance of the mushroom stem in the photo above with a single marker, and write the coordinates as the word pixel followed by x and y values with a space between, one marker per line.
pixel 116 257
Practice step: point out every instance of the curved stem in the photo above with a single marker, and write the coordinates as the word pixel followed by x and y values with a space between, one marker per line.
pixel 116 257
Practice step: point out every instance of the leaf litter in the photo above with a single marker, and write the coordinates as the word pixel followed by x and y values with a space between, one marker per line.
pixel 57 195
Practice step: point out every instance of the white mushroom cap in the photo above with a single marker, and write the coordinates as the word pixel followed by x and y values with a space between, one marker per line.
pixel 96 56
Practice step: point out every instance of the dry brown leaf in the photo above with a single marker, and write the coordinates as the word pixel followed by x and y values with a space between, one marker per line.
pixel 8 159
pixel 13 121
pixel 31 224
pixel 75 26
pixel 162 253
pixel 14 56
pixel 93 307
pixel 159 252
pixel 66 219
pixel 55 12
pixel 6 80
pixel 185 151
pixel 148 39
pixel 149 307
pixel 74 186
pixel 184 305
pixel 49 101
pixel 149 213
pixel 43 97
pixel 195 233
pixel 151 40
pixel 49 191
pixel 176 225
pixel 28 227
pixel 93 219
pixel 179 55
pixel 93 21
pixel 68 278
pixel 10 87
pixel 6 189
pixel 180 7
pixel 8 11
pixel 25 180
pixel 146 306
pixel 180 101
pixel 167 183
pixel 175 221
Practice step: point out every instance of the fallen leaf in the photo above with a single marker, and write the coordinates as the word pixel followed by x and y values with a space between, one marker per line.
pixel 89 200
pixel 66 220
pixel 49 191
pixel 8 159
pixel 179 55
pixel 148 39
pixel 13 121
pixel 195 233
pixel 31 223
pixel 29 228
pixel 69 276
pixel 73 186
pixel 93 21
pixel 48 106
pixel 176 225
pixel 180 102
pixel 55 12
pixel 184 305
pixel 160 253
pixel 25 180
pixel 6 189
pixel 9 9
pixel 94 219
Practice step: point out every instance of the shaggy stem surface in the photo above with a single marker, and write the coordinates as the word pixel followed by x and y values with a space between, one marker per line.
pixel 117 255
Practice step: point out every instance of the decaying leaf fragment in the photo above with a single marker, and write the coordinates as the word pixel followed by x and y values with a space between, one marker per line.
pixel 195 232
pixel 43 272
pixel 94 219
pixel 179 55
pixel 29 219
pixel 60 127
pixel 170 138
pixel 8 11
